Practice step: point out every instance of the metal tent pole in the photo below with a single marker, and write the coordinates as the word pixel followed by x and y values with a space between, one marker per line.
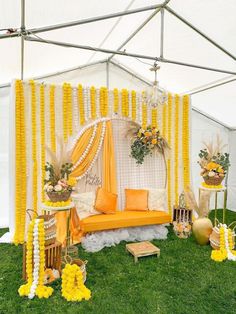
pixel 93 19
pixel 195 66
pixel 126 54
pixel 70 45
pixel 200 32
pixel 162 34
pixel 22 37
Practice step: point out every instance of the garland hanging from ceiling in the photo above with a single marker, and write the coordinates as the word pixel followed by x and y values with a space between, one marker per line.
pixel 64 110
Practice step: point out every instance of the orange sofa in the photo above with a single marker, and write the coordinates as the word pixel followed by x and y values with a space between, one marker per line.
pixel 123 219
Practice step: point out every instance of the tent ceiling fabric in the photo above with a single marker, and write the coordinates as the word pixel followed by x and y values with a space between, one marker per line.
pixel 180 43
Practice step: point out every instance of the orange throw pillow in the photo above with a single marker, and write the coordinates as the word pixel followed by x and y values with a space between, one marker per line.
pixel 136 199
pixel 105 202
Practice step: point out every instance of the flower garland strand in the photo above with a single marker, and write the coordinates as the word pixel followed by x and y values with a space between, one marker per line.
pixel 20 168
pixel 65 112
pixel 125 103
pixel 52 118
pixel 34 147
pixel 103 102
pixel 154 118
pixel 93 102
pixel 133 105
pixel 176 152
pixel 169 118
pixel 116 101
pixel 226 250
pixel 35 270
pixel 144 111
pixel 81 104
pixel 73 288
pixel 42 134
pixel 69 110
pixel 185 142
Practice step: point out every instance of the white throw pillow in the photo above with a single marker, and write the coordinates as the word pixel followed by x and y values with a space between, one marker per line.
pixel 84 203
pixel 157 199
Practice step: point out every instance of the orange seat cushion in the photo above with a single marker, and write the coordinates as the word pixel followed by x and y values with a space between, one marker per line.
pixel 123 219
pixel 105 202
pixel 136 199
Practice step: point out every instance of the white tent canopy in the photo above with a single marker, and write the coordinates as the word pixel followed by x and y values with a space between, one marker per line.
pixel 214 48
pixel 199 33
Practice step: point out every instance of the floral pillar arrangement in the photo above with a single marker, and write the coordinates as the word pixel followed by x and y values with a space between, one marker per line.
pixel 214 164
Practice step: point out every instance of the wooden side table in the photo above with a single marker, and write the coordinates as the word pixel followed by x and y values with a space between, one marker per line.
pixel 216 191
pixel 141 249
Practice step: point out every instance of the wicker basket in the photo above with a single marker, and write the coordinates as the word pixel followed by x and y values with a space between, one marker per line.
pixel 59 197
pixel 213 180
pixel 215 238
pixel 82 265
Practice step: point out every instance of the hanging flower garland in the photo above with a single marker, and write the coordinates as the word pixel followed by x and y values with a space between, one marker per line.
pixel 133 105
pixel 52 117
pixel 185 142
pixel 73 288
pixel 42 134
pixel 20 168
pixel 64 111
pixel 35 271
pixel 226 250
pixel 116 101
pixel 69 110
pixel 81 104
pixel 93 102
pixel 169 112
pixel 176 152
pixel 34 147
pixel 103 102
pixel 154 117
pixel 124 103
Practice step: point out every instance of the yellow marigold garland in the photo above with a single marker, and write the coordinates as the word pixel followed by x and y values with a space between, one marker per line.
pixel 20 160
pixel 93 102
pixel 176 152
pixel 81 104
pixel 125 103
pixel 103 101
pixel 73 288
pixel 154 118
pixel 42 135
pixel 34 147
pixel 35 270
pixel 169 113
pixel 185 142
pixel 134 105
pixel 70 110
pixel 226 250
pixel 65 112
pixel 52 118
pixel 164 121
pixel 116 100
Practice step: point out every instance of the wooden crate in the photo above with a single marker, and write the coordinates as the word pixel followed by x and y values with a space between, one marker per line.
pixel 52 257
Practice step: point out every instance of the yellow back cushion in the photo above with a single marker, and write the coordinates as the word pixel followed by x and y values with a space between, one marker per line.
pixel 136 199
pixel 105 202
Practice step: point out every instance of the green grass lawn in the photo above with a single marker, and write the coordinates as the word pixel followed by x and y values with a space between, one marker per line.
pixel 182 280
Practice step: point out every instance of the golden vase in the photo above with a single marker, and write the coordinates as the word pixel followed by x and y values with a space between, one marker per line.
pixel 202 229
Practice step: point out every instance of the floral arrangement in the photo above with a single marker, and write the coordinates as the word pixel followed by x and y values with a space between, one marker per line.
pixel 145 141
pixel 73 288
pixel 58 183
pixel 214 163
pixel 226 246
pixel 182 229
pixel 35 271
